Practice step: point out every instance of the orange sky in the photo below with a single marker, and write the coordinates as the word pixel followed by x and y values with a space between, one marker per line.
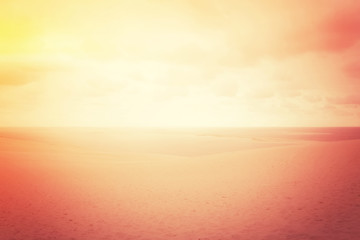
pixel 179 63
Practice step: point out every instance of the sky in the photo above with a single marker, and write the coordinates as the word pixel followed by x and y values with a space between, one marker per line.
pixel 180 63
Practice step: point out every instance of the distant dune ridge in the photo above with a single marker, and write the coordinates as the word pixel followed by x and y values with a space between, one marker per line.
pixel 245 184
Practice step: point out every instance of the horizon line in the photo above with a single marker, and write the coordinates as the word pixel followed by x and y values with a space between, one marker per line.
pixel 179 127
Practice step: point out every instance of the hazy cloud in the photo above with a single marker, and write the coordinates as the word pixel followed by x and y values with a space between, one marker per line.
pixel 24 70
pixel 346 100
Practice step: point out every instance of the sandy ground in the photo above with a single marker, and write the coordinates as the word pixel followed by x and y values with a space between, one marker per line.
pixel 162 185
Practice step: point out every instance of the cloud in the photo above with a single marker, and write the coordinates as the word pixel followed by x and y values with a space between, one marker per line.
pixel 261 94
pixel 24 70
pixel 280 30
pixel 18 74
pixel 15 77
pixel 345 100
pixel 225 87
pixel 20 98
pixel 312 98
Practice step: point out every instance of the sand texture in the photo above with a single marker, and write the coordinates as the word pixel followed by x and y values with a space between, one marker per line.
pixel 67 184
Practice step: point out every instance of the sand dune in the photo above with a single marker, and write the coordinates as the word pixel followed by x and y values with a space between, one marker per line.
pixel 177 186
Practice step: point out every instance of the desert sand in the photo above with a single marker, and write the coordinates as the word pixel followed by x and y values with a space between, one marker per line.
pixel 179 184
